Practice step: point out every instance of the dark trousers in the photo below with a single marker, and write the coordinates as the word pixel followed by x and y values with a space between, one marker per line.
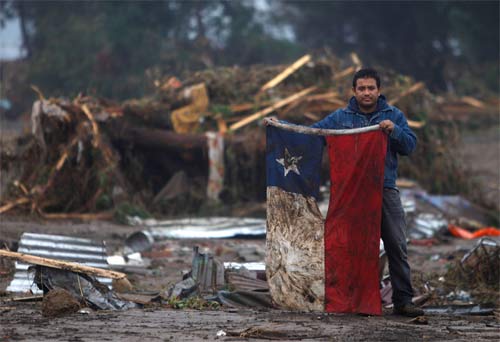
pixel 394 236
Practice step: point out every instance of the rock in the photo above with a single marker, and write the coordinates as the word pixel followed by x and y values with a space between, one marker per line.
pixel 59 302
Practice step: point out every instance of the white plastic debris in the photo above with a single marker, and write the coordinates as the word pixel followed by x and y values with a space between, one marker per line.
pixel 221 333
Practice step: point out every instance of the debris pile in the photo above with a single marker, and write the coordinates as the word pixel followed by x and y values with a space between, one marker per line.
pixel 195 143
pixel 478 272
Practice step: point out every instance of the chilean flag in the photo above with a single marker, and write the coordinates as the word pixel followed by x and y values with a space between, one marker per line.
pixel 319 265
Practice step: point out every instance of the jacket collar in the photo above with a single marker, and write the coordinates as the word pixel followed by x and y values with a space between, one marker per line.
pixel 382 105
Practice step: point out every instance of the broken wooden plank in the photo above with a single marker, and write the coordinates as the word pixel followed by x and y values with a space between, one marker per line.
pixel 322 107
pixel 405 183
pixel 415 124
pixel 411 90
pixel 21 186
pixel 85 217
pixel 473 102
pixel 312 116
pixel 60 163
pixel 343 73
pixel 37 298
pixel 38 92
pixel 236 108
pixel 221 124
pixel 285 73
pixel 355 59
pixel 95 128
pixel 13 204
pixel 333 95
pixel 270 109
pixel 62 265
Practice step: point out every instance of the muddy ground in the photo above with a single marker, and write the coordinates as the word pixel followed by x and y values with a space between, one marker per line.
pixel 24 321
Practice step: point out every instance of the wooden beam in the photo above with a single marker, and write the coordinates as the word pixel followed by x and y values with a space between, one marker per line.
pixel 81 216
pixel 411 90
pixel 343 73
pixel 416 124
pixel 473 102
pixel 324 96
pixel 13 204
pixel 95 128
pixel 270 109
pixel 355 59
pixel 285 73
pixel 62 265
pixel 235 108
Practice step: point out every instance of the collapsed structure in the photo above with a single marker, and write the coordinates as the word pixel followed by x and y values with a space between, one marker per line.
pixel 197 141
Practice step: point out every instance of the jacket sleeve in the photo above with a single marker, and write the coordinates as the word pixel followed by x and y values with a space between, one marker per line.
pixel 402 138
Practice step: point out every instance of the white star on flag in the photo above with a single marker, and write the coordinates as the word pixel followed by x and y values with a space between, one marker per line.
pixel 289 162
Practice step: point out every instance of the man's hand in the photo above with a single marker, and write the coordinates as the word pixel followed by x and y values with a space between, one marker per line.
pixel 387 126
pixel 272 118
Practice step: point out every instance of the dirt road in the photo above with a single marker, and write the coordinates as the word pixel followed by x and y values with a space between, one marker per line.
pixel 24 321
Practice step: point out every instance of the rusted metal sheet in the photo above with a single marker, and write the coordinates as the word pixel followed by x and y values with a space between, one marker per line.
pixel 67 248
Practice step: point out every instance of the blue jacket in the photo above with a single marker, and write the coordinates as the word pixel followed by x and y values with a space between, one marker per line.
pixel 401 140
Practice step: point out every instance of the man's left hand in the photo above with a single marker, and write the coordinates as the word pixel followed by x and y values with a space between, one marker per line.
pixel 387 126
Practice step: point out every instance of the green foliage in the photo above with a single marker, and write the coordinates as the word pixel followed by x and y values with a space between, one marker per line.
pixel 104 202
pixel 196 303
pixel 224 110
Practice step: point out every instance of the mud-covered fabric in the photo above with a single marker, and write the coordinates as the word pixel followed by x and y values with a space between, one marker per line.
pixel 317 265
pixel 294 240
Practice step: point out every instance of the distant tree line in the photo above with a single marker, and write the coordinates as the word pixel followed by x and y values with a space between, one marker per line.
pixel 108 47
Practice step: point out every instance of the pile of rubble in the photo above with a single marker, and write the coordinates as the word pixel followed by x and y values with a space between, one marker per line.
pixel 197 142
pixel 72 274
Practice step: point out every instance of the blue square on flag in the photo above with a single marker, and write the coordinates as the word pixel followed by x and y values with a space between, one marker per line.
pixel 293 161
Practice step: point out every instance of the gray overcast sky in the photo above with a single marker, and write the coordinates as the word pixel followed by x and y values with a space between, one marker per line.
pixel 10 40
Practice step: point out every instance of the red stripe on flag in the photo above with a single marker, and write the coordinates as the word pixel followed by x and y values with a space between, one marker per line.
pixel 352 227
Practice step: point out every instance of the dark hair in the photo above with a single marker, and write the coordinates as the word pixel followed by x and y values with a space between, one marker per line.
pixel 366 73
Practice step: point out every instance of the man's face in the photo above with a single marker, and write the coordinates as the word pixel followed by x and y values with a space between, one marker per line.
pixel 366 93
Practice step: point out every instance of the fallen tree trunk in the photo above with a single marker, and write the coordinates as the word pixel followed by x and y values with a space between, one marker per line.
pixel 157 138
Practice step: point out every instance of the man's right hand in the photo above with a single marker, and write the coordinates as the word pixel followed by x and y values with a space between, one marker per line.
pixel 271 118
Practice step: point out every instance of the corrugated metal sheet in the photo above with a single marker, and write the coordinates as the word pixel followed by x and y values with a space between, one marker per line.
pixel 204 228
pixel 80 250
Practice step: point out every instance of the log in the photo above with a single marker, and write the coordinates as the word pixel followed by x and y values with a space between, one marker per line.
pixel 285 73
pixel 157 138
pixel 62 265
pixel 270 109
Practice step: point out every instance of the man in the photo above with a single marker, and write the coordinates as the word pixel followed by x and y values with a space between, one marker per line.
pixel 368 107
